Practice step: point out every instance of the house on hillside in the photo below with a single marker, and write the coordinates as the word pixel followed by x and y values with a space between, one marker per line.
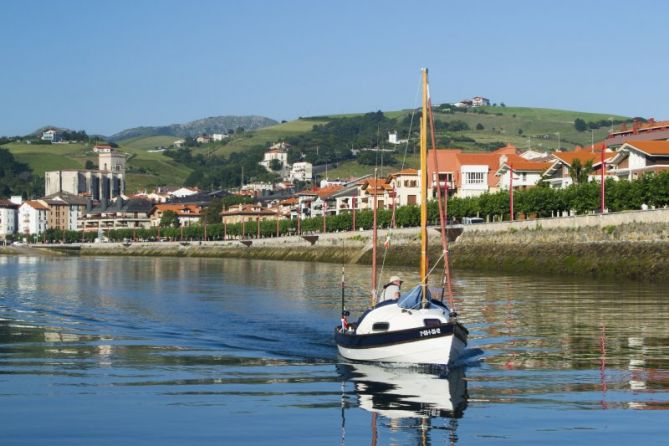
pixel 480 101
pixel 102 148
pixel 301 171
pixel 218 136
pixel 52 135
pixel 636 158
pixel 277 153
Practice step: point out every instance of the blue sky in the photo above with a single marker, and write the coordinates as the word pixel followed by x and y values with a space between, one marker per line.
pixel 105 66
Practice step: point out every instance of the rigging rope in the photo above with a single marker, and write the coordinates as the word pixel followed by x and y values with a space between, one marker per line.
pixel 386 243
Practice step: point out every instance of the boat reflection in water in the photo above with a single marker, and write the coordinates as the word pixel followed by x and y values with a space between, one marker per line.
pixel 409 398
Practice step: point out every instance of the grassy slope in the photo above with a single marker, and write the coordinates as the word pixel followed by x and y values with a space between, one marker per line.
pixel 264 136
pixel 540 124
pixel 148 142
pixel 160 169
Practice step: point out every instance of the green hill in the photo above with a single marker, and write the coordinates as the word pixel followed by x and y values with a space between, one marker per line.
pixel 329 138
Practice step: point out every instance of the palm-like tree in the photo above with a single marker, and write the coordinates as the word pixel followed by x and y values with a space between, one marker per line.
pixel 578 172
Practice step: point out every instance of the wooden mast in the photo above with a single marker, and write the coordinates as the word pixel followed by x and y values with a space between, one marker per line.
pixel 374 237
pixel 423 193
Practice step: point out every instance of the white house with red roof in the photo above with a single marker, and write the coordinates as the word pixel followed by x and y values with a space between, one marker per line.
pixel 526 173
pixel 32 217
pixel 465 174
pixel 405 186
pixel 636 158
pixel 558 176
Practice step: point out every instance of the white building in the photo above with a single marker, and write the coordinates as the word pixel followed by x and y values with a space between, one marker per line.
pixel 51 135
pixel 392 138
pixel 104 184
pixel 184 192
pixel 203 139
pixel 32 218
pixel 218 136
pixel 102 148
pixel 301 171
pixel 526 173
pixel 8 218
pixel 480 101
pixel 281 156
pixel 406 186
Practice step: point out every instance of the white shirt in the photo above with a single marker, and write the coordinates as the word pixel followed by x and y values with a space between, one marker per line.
pixel 392 291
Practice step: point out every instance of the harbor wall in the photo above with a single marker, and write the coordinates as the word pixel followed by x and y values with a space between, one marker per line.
pixel 632 245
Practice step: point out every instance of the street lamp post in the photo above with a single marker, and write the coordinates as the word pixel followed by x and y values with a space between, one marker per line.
pixel 511 193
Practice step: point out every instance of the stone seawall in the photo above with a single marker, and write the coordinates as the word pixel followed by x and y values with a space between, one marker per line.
pixel 632 245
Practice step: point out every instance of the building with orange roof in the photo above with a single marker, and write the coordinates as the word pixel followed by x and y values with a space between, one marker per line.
pixel 325 201
pixel 405 185
pixel 526 173
pixel 636 158
pixel 464 174
pixel 188 214
pixel 650 130
pixel 370 188
pixel 32 217
pixel 558 173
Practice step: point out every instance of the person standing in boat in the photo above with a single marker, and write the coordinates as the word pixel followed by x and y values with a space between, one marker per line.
pixel 391 290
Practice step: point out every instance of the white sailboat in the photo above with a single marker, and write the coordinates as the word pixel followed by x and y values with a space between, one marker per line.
pixel 414 328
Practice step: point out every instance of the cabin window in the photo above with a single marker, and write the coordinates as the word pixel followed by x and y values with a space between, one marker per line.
pixel 432 322
pixel 380 326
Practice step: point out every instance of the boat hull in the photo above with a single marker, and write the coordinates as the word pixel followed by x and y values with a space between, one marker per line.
pixel 433 345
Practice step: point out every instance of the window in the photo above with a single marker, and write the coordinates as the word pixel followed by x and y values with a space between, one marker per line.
pixel 474 177
pixel 380 326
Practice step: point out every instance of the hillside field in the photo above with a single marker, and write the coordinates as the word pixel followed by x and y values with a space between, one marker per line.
pixel 535 128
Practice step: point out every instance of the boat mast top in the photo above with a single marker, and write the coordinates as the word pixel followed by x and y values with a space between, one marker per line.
pixel 423 192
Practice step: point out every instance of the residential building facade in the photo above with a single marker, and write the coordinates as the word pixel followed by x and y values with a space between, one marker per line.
pixel 8 218
pixel 32 218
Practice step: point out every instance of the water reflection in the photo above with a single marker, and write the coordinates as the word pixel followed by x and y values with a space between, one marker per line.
pixel 253 339
pixel 408 398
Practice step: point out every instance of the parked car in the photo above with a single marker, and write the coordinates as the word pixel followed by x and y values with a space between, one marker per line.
pixel 472 220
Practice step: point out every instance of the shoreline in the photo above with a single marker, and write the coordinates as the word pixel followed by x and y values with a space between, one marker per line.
pixel 633 246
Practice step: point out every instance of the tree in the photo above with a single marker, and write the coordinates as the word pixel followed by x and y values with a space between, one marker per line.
pixel 578 172
pixel 479 126
pixel 169 219
pixel 89 165
pixel 275 165
pixel 580 125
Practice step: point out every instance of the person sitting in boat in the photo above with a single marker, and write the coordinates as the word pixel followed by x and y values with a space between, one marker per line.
pixel 344 320
pixel 391 290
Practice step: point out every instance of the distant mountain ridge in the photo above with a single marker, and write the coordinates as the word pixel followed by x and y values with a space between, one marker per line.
pixel 214 124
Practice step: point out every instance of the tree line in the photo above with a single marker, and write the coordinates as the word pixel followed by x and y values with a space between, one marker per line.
pixel 541 201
